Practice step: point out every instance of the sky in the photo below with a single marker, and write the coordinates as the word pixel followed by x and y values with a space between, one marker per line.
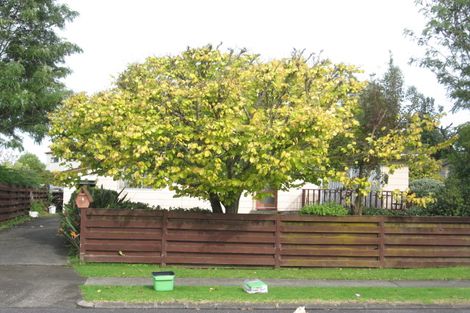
pixel 116 33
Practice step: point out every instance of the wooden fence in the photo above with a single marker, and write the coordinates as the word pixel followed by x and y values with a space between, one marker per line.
pixel 157 237
pixel 16 201
pixel 375 199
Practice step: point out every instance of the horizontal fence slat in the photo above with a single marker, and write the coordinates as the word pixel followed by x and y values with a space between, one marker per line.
pixel 330 252
pixel 137 246
pixel 219 248
pixel 125 224
pixel 328 263
pixel 220 260
pixel 123 259
pixel 322 228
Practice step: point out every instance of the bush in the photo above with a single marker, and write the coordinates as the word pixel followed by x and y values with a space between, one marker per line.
pixel 19 177
pixel 110 199
pixel 70 227
pixel 450 201
pixel 40 206
pixel 426 187
pixel 413 211
pixel 325 209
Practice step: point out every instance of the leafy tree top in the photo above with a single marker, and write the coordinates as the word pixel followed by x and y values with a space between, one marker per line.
pixel 31 66
pixel 446 38
pixel 211 124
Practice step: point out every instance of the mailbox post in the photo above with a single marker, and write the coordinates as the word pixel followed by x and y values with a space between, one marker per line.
pixel 83 201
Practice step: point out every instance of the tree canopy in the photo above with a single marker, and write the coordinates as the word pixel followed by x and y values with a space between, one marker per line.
pixel 31 66
pixel 212 124
pixel 446 38
pixel 389 133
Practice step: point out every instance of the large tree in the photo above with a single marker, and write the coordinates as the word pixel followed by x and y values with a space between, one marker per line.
pixel 211 124
pixel 446 38
pixel 31 66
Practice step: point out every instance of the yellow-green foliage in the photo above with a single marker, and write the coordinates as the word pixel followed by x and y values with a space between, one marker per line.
pixel 208 123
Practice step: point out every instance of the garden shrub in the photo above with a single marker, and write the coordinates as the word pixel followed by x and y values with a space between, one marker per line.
pixel 39 206
pixel 19 177
pixel 426 187
pixel 110 199
pixel 413 211
pixel 325 209
pixel 450 201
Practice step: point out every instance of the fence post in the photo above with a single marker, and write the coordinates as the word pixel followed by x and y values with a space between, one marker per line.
pixel 277 242
pixel 382 242
pixel 303 198
pixel 83 201
pixel 164 239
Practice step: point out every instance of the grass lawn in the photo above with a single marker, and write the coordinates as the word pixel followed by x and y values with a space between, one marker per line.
pixel 14 221
pixel 142 294
pixel 144 270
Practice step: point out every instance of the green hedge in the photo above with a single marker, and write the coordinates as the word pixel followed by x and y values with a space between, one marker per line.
pixel 19 177
pixel 325 209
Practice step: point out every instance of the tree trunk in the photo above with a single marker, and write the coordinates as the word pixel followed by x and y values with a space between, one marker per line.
pixel 215 203
pixel 231 206
pixel 357 209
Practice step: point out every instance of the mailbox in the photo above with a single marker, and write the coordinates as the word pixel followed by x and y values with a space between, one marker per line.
pixel 83 199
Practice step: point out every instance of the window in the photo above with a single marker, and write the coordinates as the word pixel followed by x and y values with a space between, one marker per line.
pixel 269 202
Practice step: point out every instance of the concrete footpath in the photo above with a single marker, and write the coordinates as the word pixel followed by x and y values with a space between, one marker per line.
pixel 116 281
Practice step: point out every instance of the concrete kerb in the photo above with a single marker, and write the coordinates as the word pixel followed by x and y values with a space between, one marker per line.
pixel 263 306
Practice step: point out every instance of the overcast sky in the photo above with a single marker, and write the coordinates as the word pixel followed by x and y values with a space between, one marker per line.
pixel 115 33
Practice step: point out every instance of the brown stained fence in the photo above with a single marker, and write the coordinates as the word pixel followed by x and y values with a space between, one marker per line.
pixel 16 201
pixel 375 199
pixel 272 240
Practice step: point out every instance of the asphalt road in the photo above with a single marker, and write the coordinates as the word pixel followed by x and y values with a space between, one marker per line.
pixel 44 310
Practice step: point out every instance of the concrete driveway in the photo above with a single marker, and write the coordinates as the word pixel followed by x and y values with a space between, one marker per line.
pixel 33 267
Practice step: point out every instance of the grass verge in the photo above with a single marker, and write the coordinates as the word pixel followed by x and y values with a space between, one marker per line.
pixel 145 294
pixel 14 221
pixel 144 270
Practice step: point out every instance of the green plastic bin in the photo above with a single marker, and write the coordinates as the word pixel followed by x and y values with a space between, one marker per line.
pixel 163 281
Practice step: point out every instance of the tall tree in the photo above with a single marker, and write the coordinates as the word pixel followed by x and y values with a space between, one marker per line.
pixel 384 136
pixel 30 163
pixel 211 124
pixel 436 140
pixel 31 66
pixel 446 38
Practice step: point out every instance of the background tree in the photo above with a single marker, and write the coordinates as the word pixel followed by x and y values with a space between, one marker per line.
pixel 26 171
pixel 446 38
pixel 459 179
pixel 385 137
pixel 436 140
pixel 30 162
pixel 210 124
pixel 31 66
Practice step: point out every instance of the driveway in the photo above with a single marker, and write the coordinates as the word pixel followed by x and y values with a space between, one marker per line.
pixel 33 267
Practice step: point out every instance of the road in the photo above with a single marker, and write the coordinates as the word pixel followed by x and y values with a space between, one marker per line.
pixel 49 310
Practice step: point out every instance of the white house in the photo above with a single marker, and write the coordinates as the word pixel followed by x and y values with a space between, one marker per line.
pixel 290 200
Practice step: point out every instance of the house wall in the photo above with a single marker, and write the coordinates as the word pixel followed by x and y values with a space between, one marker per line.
pixel 398 180
pixel 289 200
